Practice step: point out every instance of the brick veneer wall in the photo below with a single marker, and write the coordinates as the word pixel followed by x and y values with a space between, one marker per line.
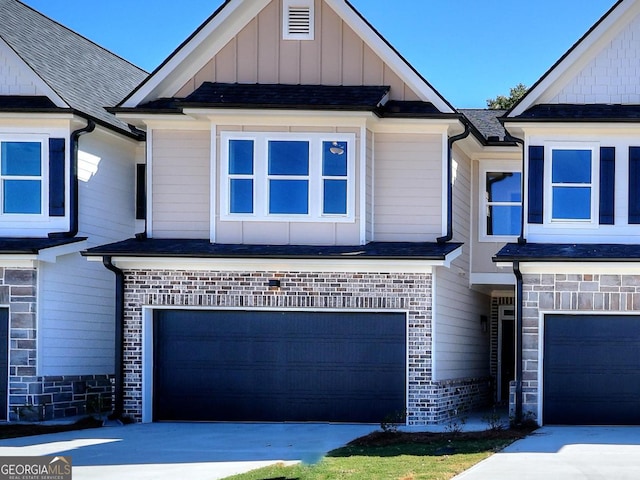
pixel 567 293
pixel 428 401
pixel 33 397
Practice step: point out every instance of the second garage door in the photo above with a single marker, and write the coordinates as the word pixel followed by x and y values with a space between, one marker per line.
pixel 591 370
pixel 278 366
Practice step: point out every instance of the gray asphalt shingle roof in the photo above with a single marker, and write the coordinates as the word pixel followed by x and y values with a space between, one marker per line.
pixel 86 76
pixel 486 121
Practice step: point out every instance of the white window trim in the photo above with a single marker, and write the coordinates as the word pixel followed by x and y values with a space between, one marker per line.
pixel 286 6
pixel 486 167
pixel 17 218
pixel 260 175
pixel 592 222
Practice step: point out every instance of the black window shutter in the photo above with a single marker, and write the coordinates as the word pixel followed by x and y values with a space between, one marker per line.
pixel 634 185
pixel 536 184
pixel 141 191
pixel 607 185
pixel 57 180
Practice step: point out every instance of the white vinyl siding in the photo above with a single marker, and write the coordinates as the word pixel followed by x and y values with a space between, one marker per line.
pixel 181 184
pixel 461 346
pixel 76 313
pixel 408 187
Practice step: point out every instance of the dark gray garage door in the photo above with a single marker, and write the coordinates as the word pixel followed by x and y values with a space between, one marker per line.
pixel 275 366
pixel 591 370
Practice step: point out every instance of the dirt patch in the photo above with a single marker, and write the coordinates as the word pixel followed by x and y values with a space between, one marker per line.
pixel 14 430
pixel 382 439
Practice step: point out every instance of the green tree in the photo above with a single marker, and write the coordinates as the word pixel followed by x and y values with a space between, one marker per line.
pixel 505 103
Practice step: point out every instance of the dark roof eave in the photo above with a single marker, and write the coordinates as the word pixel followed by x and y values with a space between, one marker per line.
pixel 184 248
pixel 526 258
pixel 516 120
pixel 33 246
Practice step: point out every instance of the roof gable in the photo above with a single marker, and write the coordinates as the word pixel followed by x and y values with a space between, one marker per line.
pixel 346 50
pixel 17 78
pixel 594 70
pixel 70 70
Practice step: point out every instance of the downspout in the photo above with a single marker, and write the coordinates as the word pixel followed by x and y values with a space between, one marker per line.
pixel 518 342
pixel 73 184
pixel 510 138
pixel 449 236
pixel 118 407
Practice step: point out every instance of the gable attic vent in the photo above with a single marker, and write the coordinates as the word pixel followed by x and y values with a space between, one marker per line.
pixel 298 20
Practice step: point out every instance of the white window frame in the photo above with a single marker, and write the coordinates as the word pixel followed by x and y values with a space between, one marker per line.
pixel 594 185
pixel 289 4
pixel 494 166
pixel 261 177
pixel 43 178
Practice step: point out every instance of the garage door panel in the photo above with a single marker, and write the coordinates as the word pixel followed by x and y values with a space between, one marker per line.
pixel 591 369
pixel 278 366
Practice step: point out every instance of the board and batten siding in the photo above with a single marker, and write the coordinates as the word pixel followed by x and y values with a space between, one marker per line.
pixel 291 233
pixel 408 187
pixel 76 297
pixel 181 183
pixel 461 347
pixel 337 56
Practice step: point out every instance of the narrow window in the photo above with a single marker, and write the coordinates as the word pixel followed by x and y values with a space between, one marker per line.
pixel 504 203
pixel 241 176
pixel 334 178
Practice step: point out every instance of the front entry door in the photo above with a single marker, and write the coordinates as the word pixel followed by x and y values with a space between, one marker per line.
pixel 507 353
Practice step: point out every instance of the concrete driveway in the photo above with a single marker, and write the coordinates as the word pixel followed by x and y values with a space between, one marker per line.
pixel 194 451
pixel 567 453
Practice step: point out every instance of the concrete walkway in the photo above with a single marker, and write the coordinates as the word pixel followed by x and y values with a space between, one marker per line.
pixel 193 451
pixel 566 453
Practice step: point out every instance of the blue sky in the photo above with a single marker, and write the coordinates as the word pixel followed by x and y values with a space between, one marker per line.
pixel 469 50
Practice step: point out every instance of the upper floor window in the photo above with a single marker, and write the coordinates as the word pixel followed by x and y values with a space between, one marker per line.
pixel 287 177
pixel 501 209
pixel 21 177
pixel 571 184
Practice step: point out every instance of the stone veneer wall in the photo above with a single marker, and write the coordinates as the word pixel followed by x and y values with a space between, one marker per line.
pixel 33 397
pixel 567 293
pixel 428 402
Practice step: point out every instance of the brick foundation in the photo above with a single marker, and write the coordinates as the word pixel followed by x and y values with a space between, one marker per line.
pixel 428 402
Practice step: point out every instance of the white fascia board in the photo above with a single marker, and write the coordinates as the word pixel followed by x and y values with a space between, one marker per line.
pixel 279 265
pixel 492 279
pixel 562 129
pixel 413 125
pixel 584 267
pixel 18 261
pixel 50 255
pixel 195 54
pixel 279 117
pixel 389 56
pixel 40 84
pixel 579 56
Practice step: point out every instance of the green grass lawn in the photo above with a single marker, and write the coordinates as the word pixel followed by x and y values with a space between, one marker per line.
pixel 396 456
